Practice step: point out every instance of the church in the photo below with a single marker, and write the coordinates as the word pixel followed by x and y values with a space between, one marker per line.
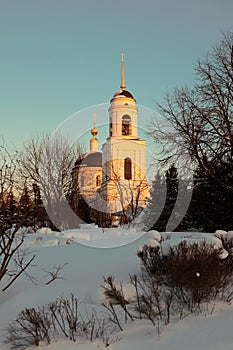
pixel 113 180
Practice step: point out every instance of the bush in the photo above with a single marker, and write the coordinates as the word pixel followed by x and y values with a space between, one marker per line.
pixel 32 326
pixel 194 273
pixel 171 286
pixel 61 317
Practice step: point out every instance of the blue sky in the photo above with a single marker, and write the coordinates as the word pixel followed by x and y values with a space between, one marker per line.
pixel 60 56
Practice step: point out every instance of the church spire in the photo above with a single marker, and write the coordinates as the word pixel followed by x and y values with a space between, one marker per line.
pixel 94 141
pixel 122 72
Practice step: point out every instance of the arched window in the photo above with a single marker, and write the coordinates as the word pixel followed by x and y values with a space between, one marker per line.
pixel 82 181
pixel 98 180
pixel 128 169
pixel 110 127
pixel 126 125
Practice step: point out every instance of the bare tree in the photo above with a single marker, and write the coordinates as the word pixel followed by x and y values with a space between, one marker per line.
pixel 14 260
pixel 48 163
pixel 199 121
pixel 118 196
pixel 130 193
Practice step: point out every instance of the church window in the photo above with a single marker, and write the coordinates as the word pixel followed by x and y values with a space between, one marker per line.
pixel 128 169
pixel 110 128
pixel 126 125
pixel 98 180
pixel 82 181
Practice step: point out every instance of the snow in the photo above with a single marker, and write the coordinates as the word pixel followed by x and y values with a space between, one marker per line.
pixel 85 264
pixel 44 230
pixel 155 235
pixel 153 243
pixel 89 235
pixel 229 236
pixel 220 234
pixel 105 238
pixel 225 235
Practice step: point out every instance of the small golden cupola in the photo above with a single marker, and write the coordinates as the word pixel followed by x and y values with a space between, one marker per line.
pixel 94 140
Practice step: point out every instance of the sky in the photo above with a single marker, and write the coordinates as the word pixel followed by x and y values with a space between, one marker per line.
pixel 61 56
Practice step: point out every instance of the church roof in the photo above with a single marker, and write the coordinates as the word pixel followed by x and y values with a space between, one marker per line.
pixel 123 93
pixel 92 160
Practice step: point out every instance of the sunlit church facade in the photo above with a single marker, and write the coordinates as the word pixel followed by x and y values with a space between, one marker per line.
pixel 113 180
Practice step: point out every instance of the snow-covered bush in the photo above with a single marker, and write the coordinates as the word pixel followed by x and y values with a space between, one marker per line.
pixel 230 235
pixel 44 231
pixel 154 239
pixel 220 234
pixel 155 235
pixel 172 243
pixel 226 239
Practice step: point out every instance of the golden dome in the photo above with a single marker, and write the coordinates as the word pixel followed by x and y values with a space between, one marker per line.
pixel 94 131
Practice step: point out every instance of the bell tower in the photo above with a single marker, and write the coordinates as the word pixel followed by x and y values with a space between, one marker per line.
pixel 123 154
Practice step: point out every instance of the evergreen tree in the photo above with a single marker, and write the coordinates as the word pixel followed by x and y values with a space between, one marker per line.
pixel 172 191
pixel 79 206
pixel 25 207
pixel 11 213
pixel 156 201
pixel 212 202
pixel 39 213
pixel 162 200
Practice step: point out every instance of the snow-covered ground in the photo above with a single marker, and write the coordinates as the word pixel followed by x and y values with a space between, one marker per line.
pixel 87 255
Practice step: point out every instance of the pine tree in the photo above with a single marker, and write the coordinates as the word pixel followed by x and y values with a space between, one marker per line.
pixel 11 213
pixel 172 189
pixel 212 201
pixel 156 202
pixel 39 213
pixel 162 199
pixel 79 206
pixel 25 207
